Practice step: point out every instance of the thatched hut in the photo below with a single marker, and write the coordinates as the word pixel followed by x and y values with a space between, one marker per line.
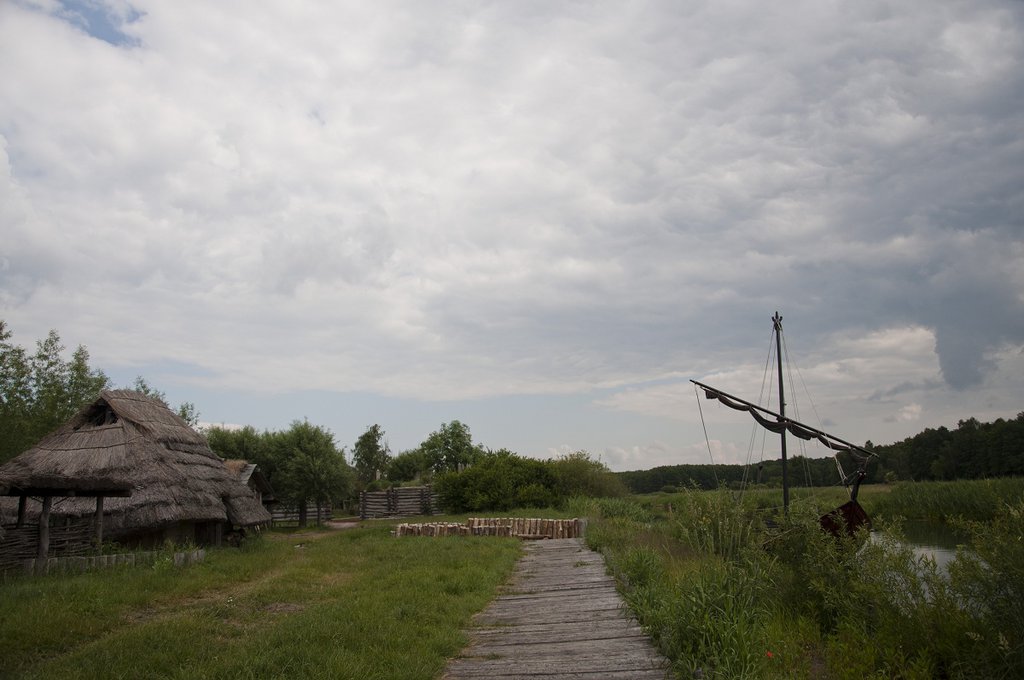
pixel 179 489
pixel 251 475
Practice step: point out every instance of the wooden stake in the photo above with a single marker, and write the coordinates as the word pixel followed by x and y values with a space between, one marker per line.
pixel 99 525
pixel 44 528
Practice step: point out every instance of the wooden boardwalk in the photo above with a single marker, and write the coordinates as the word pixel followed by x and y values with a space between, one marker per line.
pixel 560 617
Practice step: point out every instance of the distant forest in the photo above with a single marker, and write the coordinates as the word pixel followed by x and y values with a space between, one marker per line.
pixel 972 451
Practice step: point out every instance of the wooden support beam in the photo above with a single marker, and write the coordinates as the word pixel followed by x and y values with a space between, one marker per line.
pixel 99 524
pixel 44 528
pixel 22 500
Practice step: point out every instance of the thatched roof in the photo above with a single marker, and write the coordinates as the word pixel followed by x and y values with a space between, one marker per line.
pixel 128 440
pixel 251 475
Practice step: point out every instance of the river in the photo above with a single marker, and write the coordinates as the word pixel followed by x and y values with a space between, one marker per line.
pixel 932 539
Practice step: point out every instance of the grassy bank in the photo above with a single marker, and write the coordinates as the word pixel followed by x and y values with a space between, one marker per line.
pixel 317 604
pixel 720 592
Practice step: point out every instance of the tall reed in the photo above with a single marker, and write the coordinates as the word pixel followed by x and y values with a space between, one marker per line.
pixel 720 592
pixel 973 499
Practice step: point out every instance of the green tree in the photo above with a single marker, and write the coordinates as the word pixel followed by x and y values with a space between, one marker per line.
pixel 38 393
pixel 16 397
pixel 450 448
pixel 500 480
pixel 310 468
pixel 370 455
pixel 244 443
pixel 580 475
pixel 407 466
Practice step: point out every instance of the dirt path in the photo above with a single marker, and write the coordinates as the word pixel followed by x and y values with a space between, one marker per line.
pixel 560 617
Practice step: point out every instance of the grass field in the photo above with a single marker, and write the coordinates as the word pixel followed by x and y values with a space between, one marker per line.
pixel 356 603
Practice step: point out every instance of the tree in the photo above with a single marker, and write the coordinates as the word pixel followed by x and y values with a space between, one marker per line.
pixel 580 475
pixel 310 467
pixel 450 448
pixel 408 466
pixel 370 455
pixel 40 392
pixel 500 480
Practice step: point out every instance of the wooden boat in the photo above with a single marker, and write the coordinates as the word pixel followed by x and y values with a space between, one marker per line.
pixel 847 518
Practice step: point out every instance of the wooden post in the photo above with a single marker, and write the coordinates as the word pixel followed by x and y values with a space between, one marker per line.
pixel 44 528
pixel 99 525
pixel 22 500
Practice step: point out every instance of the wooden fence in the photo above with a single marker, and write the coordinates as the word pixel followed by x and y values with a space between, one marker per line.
pixel 289 514
pixel 80 564
pixel 68 538
pixel 521 527
pixel 404 501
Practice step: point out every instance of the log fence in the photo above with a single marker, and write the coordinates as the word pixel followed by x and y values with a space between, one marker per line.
pixel 404 501
pixel 288 514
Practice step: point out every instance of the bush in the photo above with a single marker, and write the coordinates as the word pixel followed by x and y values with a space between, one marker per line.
pixel 580 475
pixel 502 480
pixel 499 481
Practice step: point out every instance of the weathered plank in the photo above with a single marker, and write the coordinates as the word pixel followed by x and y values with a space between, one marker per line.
pixel 559 617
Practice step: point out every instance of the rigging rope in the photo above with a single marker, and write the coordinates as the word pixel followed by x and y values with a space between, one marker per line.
pixel 707 440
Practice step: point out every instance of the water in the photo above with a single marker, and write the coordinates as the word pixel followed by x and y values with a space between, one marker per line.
pixel 932 539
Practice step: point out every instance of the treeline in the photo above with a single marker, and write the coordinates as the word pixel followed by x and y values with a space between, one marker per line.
pixel 502 480
pixel 302 464
pixel 467 476
pixel 41 390
pixel 973 450
pixel 802 471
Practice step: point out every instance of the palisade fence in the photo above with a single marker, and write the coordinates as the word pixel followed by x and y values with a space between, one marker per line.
pixel 403 501
pixel 520 527
pixel 78 564
pixel 289 514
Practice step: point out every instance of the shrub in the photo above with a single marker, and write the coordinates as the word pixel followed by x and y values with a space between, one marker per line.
pixel 499 481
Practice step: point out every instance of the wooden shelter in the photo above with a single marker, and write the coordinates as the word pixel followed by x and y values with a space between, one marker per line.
pixel 161 478
pixel 251 475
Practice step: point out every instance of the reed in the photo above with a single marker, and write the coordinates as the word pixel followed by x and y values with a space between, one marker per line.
pixel 720 592
pixel 973 499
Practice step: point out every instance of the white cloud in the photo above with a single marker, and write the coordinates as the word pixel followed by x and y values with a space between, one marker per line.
pixel 453 202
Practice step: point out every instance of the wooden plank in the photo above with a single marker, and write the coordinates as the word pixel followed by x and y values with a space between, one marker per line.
pixel 559 617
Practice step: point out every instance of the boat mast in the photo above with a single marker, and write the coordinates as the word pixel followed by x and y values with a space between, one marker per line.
pixel 777 320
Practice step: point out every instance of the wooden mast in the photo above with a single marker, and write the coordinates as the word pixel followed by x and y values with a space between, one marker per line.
pixel 777 321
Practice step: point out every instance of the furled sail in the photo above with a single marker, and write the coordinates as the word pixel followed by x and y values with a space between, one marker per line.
pixel 779 424
pixel 776 426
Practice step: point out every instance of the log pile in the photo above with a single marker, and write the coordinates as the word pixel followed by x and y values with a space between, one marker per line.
pixel 521 527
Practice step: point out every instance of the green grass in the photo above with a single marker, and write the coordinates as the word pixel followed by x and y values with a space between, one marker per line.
pixel 972 499
pixel 720 591
pixel 351 604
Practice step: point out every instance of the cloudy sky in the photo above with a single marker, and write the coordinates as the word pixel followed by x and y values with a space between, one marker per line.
pixel 539 218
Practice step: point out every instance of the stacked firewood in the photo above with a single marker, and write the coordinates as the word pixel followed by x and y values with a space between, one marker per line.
pixel 521 527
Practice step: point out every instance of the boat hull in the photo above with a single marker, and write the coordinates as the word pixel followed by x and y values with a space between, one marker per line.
pixel 846 519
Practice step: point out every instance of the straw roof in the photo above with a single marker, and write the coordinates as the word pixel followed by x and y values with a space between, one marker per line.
pixel 127 440
pixel 251 475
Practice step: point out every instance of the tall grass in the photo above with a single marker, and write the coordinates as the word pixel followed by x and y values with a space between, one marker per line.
pixel 973 499
pixel 353 604
pixel 722 593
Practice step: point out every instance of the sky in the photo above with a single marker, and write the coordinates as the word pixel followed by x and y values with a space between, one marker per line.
pixel 539 218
